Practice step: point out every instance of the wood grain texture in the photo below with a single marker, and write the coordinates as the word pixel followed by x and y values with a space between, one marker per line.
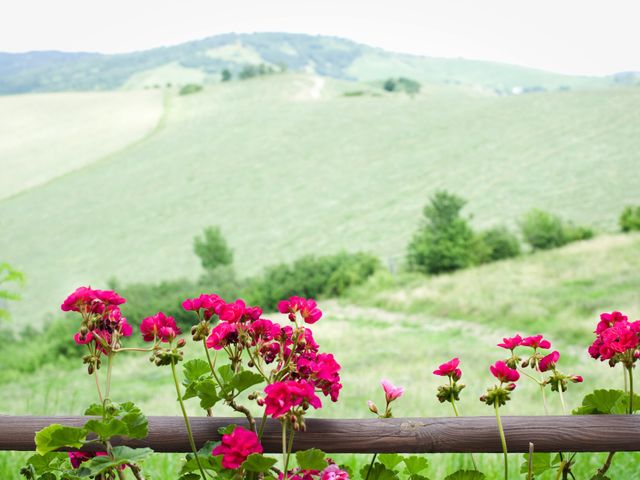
pixel 589 433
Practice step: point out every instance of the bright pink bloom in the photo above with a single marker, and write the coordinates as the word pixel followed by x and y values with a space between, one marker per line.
pixel 536 341
pixel 333 472
pixel 510 343
pixel 80 341
pixel 222 335
pixel 263 330
pixel 86 299
pixel 549 362
pixel 391 392
pixel 307 308
pixel 576 378
pixel 283 396
pixel 449 369
pixel 237 446
pixel 502 372
pixel 608 320
pixel 77 458
pixel 238 311
pixel 161 326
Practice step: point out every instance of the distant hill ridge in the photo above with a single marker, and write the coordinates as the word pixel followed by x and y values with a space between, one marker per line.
pixel 202 61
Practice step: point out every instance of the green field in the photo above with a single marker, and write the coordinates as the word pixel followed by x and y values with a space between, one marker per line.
pixel 288 165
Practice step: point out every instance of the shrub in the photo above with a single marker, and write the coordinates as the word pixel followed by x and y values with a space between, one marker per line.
pixel 311 276
pixel 446 241
pixel 225 75
pixel 212 249
pixel 630 219
pixel 498 243
pixel 543 230
pixel 190 88
pixel 401 84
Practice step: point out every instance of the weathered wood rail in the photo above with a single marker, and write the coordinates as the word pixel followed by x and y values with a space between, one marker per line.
pixel 589 433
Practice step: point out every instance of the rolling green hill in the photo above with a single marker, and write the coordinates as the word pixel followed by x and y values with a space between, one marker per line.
pixel 288 165
pixel 203 61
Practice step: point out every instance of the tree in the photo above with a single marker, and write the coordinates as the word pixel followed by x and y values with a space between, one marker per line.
pixel 212 249
pixel 630 219
pixel 8 275
pixel 389 85
pixel 445 242
pixel 226 75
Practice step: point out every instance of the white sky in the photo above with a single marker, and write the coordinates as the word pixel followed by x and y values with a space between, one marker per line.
pixel 570 36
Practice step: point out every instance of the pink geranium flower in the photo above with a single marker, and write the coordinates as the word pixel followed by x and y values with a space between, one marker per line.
pixel 222 335
pixel 307 308
pixel 391 392
pixel 237 446
pixel 159 326
pixel 510 343
pixel 86 299
pixel 283 396
pixel 78 458
pixel 502 372
pixel 449 369
pixel 333 472
pixel 536 341
pixel 549 362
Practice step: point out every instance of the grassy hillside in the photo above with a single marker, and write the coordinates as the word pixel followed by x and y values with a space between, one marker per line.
pixel 48 135
pixel 204 60
pixel 287 165
pixel 428 321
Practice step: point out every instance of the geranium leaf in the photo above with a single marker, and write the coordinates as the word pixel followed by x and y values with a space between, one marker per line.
pixel 256 462
pixel 57 436
pixel 312 459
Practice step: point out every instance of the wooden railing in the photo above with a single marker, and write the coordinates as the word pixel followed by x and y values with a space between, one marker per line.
pixel 589 433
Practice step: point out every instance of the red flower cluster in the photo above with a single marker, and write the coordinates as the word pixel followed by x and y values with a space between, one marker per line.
pixel 502 372
pixel 299 369
pixel 617 339
pixel 450 369
pixel 78 458
pixel 282 397
pixel 237 446
pixel 159 326
pixel 534 341
pixel 102 321
pixel 307 309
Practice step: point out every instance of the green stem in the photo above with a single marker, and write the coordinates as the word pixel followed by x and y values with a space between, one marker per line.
pixel 186 418
pixel 560 470
pixel 262 423
pixel 626 388
pixel 109 368
pixel 457 414
pixel 212 364
pixel 95 374
pixel 289 448
pixel 631 390
pixel 371 466
pixel 503 441
pixel 284 449
pixel 564 407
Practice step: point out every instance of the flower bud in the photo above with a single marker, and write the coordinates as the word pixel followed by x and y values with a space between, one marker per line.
pixel 372 407
pixel 181 343
pixel 510 386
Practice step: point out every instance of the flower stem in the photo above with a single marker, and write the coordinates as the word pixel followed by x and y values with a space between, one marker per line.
pixel 284 449
pixel 564 407
pixel 289 448
pixel 631 390
pixel 626 388
pixel 503 441
pixel 186 418
pixel 95 374
pixel 371 466
pixel 109 368
pixel 262 423
pixel 457 414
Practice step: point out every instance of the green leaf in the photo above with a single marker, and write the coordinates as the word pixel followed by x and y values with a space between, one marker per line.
pixel 206 391
pixel 600 476
pixel 256 462
pixel 378 472
pixel 193 370
pixel 390 460
pixel 466 475
pixel 225 373
pixel 312 459
pixel 105 429
pixel 415 464
pixel 417 477
pixel 541 463
pixel 227 430
pixel 245 380
pixel 136 421
pixel 43 463
pixel 122 456
pixel 57 436
pixel 95 409
pixel 602 401
pixel 190 476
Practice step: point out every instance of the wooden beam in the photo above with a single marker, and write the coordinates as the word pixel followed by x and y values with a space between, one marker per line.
pixel 589 433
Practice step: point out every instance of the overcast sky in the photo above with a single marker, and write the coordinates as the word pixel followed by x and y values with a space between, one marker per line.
pixel 570 36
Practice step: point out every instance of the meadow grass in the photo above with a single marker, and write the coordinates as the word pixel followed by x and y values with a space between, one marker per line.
pixel 286 170
pixel 48 135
